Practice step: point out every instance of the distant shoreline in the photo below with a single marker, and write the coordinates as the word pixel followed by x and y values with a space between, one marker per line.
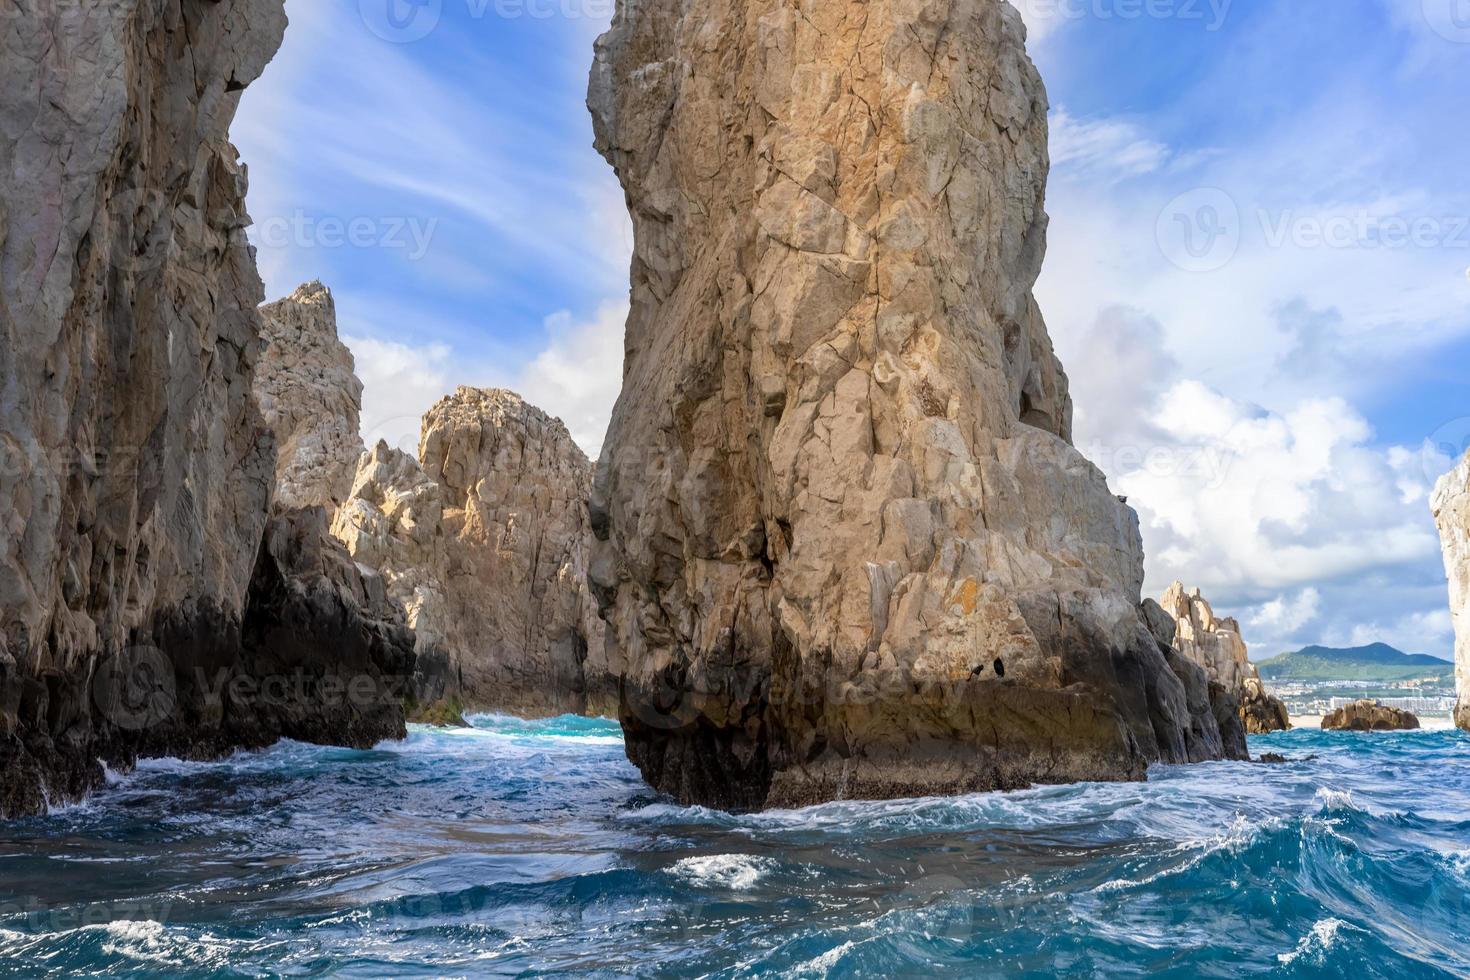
pixel 1432 723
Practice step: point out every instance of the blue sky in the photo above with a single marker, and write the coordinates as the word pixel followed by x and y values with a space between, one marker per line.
pixel 1257 272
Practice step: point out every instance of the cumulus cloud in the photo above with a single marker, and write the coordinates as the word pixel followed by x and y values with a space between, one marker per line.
pixel 576 377
pixel 1283 518
pixel 1286 615
pixel 579 374
pixel 400 382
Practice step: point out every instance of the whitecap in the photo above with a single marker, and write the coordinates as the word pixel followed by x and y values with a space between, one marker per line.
pixel 1315 944
pixel 736 871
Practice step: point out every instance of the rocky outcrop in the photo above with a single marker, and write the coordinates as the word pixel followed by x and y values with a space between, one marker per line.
pixel 311 398
pixel 484 543
pixel 1451 504
pixel 1261 711
pixel 846 548
pixel 1216 645
pixel 144 608
pixel 1369 716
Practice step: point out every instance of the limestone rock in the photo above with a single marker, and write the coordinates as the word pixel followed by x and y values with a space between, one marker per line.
pixel 1451 504
pixel 1370 716
pixel 485 545
pixel 311 398
pixel 1216 645
pixel 140 607
pixel 845 546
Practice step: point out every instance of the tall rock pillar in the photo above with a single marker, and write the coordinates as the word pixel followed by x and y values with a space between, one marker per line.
pixel 845 545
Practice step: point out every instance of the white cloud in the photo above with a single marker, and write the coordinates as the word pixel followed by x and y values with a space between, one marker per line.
pixel 578 376
pixel 1287 615
pixel 399 384
pixel 1103 150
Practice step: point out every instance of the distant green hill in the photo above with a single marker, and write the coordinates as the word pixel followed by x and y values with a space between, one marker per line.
pixel 1375 662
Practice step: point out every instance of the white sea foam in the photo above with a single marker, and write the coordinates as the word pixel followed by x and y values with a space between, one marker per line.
pixel 736 871
pixel 1315 944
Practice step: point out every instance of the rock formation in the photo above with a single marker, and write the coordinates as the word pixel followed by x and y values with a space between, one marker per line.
pixel 1216 645
pixel 1451 503
pixel 311 398
pixel 136 472
pixel 1369 716
pixel 845 545
pixel 485 545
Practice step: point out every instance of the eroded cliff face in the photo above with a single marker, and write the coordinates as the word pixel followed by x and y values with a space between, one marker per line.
pixel 1216 645
pixel 845 546
pixel 484 543
pixel 138 613
pixel 1451 504
pixel 311 398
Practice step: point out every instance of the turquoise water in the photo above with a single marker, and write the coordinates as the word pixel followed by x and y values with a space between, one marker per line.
pixel 532 849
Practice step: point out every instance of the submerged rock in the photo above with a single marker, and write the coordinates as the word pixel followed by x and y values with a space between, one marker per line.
pixel 1216 645
pixel 1369 716
pixel 485 546
pixel 1451 504
pixel 846 548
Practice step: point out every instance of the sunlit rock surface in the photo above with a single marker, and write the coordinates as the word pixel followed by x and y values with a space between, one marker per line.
pixel 1451 503
pixel 1216 645
pixel 846 548
pixel 485 543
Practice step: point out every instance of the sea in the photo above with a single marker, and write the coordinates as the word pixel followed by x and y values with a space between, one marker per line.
pixel 532 849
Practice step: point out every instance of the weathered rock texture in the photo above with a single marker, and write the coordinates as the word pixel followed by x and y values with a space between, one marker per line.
pixel 845 545
pixel 485 545
pixel 311 398
pixel 1370 716
pixel 1216 645
pixel 1451 503
pixel 136 471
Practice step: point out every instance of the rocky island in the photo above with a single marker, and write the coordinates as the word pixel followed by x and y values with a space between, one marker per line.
pixel 846 548
pixel 1367 715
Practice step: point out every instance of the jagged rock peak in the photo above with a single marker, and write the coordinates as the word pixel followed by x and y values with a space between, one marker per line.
pixel 311 398
pixel 1216 645
pixel 484 542
pixel 1451 505
pixel 846 548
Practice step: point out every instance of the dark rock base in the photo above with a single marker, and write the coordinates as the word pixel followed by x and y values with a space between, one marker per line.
pixel 311 661
pixel 746 741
